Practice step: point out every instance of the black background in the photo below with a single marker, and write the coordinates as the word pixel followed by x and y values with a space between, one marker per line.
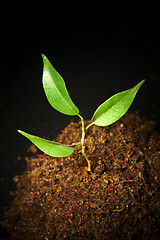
pixel 97 54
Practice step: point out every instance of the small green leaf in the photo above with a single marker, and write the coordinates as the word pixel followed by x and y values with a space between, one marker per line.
pixel 55 90
pixel 51 148
pixel 115 107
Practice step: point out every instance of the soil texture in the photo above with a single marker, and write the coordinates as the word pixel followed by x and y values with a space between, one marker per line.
pixel 57 198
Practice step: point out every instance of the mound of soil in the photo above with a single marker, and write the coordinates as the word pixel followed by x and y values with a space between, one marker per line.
pixel 57 198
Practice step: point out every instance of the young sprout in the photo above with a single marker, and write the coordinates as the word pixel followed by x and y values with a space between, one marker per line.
pixel 56 92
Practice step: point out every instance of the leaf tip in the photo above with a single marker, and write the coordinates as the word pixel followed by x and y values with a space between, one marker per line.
pixel 143 81
pixel 21 132
pixel 43 56
pixel 140 83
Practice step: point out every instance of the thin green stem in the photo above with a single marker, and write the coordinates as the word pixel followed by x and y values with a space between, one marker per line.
pixel 83 143
pixel 89 125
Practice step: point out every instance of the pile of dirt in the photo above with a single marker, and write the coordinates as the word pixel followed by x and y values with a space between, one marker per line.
pixel 57 198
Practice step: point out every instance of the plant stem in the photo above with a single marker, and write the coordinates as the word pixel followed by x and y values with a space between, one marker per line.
pixel 83 143
pixel 89 125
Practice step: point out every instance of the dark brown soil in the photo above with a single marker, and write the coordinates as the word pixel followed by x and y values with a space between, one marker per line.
pixel 57 198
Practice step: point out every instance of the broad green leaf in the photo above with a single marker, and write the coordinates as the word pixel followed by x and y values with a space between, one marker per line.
pixel 51 148
pixel 55 90
pixel 115 107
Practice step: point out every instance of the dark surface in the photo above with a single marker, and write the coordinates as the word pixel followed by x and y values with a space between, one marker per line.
pixel 96 61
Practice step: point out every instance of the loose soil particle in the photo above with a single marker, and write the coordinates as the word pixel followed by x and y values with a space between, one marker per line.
pixel 57 198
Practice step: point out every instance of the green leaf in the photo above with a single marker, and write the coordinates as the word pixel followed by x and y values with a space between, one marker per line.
pixel 55 90
pixel 115 107
pixel 49 147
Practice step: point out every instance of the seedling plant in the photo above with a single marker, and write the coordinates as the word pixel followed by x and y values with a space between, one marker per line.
pixel 106 114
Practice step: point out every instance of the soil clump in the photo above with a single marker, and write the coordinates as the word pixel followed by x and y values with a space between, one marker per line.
pixel 57 198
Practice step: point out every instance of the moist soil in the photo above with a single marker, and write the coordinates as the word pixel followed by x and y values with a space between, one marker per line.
pixel 56 198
